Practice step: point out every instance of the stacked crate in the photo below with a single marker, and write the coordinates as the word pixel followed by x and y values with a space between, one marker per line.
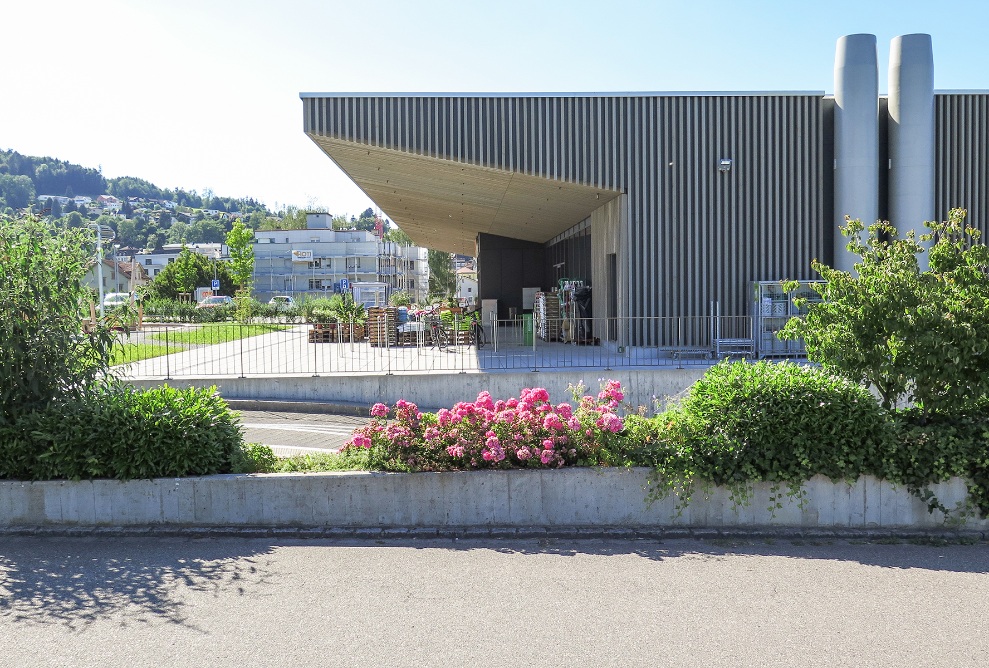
pixel 547 315
pixel 322 334
pixel 382 325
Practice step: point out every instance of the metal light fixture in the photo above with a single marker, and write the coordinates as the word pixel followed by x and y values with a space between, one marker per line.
pixel 724 165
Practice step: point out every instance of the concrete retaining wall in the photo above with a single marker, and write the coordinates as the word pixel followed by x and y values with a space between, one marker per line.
pixel 562 498
pixel 440 390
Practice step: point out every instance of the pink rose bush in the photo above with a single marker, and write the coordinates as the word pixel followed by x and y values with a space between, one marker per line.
pixel 527 432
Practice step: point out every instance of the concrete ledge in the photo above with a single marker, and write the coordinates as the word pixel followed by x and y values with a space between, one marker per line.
pixel 510 500
pixel 435 390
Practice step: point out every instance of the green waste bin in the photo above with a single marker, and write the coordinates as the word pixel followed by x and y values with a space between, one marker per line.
pixel 526 329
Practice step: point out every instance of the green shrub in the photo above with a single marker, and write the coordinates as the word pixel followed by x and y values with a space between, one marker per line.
pixel 783 423
pixel 43 353
pixel 931 450
pixel 121 432
pixel 253 458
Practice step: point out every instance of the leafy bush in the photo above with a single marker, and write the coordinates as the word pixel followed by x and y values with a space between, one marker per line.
pixel 320 309
pixel 917 335
pixel 400 298
pixel 120 432
pixel 43 353
pixel 173 310
pixel 931 450
pixel 783 423
pixel 253 458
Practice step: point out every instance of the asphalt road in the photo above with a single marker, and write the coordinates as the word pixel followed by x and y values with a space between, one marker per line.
pixel 267 602
pixel 294 433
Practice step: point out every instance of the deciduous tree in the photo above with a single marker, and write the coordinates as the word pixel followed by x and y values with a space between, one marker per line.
pixel 917 335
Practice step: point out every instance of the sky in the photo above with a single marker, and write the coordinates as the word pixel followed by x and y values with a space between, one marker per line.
pixel 204 94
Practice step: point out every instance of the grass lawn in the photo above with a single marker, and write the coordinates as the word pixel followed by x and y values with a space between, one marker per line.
pixel 219 333
pixel 135 352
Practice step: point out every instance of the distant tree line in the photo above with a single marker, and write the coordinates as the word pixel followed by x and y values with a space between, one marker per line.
pixel 24 178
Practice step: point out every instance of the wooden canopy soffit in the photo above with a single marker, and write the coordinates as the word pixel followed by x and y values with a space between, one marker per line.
pixel 444 205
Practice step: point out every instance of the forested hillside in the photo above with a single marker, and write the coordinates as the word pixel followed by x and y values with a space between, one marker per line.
pixel 50 176
pixel 147 216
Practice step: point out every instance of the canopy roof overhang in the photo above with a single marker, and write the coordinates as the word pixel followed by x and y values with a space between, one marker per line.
pixel 444 204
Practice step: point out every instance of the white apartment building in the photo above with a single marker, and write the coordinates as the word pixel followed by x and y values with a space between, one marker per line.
pixel 157 260
pixel 317 260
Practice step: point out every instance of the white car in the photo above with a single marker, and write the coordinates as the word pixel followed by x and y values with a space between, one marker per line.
pixel 215 301
pixel 281 302
pixel 115 299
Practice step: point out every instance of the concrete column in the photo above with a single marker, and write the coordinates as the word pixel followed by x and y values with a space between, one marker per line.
pixel 911 134
pixel 856 137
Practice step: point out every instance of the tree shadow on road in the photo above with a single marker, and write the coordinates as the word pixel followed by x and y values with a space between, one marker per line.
pixel 919 552
pixel 75 581
pixel 916 552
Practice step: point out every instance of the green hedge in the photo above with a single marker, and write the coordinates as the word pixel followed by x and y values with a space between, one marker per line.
pixel 784 423
pixel 121 432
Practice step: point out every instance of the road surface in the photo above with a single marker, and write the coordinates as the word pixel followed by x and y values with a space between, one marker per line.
pixel 238 602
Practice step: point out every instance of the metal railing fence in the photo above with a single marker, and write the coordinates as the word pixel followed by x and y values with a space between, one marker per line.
pixel 173 350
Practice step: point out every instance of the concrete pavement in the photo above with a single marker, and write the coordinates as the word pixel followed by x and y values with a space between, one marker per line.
pixel 235 602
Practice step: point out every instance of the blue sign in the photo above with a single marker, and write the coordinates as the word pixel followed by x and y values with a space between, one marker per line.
pixel 216 284
pixel 344 285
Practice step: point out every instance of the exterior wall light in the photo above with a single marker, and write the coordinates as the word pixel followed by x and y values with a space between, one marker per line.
pixel 724 165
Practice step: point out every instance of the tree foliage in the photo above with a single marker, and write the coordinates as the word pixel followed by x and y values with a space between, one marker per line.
pixel 189 271
pixel 442 278
pixel 240 241
pixel 398 236
pixel 44 355
pixel 914 335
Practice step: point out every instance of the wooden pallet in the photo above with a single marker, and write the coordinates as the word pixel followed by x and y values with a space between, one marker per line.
pixel 381 325
pixel 322 336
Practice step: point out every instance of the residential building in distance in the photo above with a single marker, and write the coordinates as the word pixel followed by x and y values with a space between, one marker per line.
pixel 320 261
pixel 158 259
pixel 118 275
pixel 467 285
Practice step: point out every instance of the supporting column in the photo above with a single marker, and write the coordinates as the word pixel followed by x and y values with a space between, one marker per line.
pixel 911 134
pixel 856 137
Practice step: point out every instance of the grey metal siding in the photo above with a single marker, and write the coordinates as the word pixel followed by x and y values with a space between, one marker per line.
pixel 694 234
pixel 961 162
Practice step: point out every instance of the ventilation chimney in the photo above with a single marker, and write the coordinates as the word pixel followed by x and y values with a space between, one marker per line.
pixel 911 134
pixel 856 138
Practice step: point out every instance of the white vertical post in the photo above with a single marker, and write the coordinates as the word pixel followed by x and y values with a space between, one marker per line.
pixel 99 264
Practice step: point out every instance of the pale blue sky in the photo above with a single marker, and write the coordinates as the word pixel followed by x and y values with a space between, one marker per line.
pixel 205 94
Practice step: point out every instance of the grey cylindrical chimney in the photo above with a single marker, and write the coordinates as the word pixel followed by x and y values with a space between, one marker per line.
pixel 856 137
pixel 911 133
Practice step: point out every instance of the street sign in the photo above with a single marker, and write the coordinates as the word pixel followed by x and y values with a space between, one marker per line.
pixel 216 284
pixel 344 285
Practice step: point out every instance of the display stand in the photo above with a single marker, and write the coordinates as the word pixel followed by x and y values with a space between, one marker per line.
pixel 772 309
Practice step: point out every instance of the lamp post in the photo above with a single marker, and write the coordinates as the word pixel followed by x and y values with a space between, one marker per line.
pixel 116 268
pixel 101 230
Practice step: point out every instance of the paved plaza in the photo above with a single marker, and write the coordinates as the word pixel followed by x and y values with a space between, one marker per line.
pixel 288 351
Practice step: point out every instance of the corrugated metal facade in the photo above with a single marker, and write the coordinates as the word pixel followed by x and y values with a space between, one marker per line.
pixel 961 163
pixel 694 234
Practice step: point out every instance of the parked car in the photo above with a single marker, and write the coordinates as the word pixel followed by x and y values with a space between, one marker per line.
pixel 115 299
pixel 281 302
pixel 215 301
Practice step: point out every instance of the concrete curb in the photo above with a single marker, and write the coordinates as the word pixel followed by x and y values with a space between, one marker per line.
pixel 550 500
pixel 364 534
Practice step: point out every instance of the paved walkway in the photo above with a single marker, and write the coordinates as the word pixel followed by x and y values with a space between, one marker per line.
pixel 291 433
